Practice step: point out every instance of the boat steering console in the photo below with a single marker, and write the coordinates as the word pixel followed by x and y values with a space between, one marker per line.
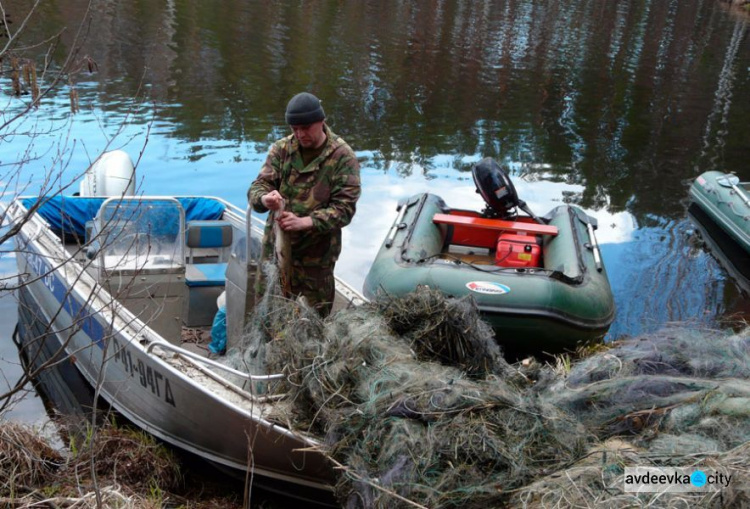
pixel 498 192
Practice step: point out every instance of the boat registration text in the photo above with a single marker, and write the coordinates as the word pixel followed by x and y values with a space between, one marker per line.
pixel 148 377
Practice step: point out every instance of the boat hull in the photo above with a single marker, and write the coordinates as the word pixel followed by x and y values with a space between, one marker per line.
pixel 722 247
pixel 164 394
pixel 549 309
pixel 728 207
pixel 62 388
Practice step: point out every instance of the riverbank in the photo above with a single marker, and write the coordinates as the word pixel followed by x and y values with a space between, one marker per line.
pixel 108 466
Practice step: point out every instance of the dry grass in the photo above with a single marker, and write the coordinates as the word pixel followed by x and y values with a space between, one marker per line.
pixel 111 467
pixel 25 459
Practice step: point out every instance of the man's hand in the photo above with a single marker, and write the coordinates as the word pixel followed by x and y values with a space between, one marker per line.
pixel 272 201
pixel 291 223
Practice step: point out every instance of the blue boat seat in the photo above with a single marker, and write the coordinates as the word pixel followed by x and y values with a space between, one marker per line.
pixel 205 274
pixel 209 245
pixel 213 236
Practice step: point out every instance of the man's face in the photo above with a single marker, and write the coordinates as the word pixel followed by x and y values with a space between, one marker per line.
pixel 310 135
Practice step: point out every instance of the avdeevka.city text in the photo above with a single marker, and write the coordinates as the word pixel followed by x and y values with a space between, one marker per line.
pixel 676 478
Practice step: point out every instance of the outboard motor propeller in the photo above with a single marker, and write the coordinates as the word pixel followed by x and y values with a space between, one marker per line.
pixel 498 192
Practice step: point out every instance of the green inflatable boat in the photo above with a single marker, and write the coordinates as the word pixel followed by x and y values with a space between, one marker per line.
pixel 539 282
pixel 726 201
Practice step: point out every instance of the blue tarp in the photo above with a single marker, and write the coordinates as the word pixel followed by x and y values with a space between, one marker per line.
pixel 69 214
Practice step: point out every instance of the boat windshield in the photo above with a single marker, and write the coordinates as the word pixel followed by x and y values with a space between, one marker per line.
pixel 140 233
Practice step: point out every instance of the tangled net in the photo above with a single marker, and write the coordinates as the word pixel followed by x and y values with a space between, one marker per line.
pixel 444 330
pixel 675 398
pixel 398 413
pixel 660 389
pixel 413 400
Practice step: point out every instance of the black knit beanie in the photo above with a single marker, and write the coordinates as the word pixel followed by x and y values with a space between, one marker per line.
pixel 304 109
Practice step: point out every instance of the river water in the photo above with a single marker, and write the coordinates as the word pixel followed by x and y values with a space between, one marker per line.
pixel 612 105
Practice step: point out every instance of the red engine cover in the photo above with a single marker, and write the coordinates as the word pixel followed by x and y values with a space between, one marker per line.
pixel 518 250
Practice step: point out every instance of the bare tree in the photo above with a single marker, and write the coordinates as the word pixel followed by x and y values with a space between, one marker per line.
pixel 31 75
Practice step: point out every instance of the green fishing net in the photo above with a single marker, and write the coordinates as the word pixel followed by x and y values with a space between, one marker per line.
pixel 414 400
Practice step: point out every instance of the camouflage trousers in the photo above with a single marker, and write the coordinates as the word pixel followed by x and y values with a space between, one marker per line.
pixel 316 284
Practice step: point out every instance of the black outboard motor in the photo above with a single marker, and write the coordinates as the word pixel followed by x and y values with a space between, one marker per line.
pixel 498 192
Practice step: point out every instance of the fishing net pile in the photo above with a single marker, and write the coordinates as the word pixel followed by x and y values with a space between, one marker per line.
pixel 414 400
pixel 664 389
pixel 676 398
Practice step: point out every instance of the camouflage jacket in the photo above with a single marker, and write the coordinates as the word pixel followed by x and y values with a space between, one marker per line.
pixel 327 190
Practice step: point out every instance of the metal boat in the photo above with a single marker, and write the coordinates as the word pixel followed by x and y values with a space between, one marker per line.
pixel 114 279
pixel 539 282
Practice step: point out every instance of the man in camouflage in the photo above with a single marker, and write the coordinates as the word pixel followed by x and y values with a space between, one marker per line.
pixel 316 174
